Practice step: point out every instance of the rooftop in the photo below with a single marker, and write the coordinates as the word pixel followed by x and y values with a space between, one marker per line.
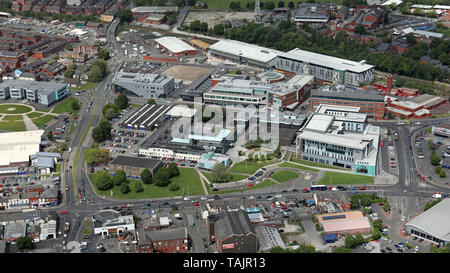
pixel 155 9
pixel 250 51
pixel 141 78
pixel 18 146
pixel 435 220
pixel 174 44
pixel 233 223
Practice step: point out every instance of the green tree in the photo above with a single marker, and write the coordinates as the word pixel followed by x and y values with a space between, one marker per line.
pixel 438 169
pixel 442 174
pixel 125 188
pixel 270 5
pixel 103 54
pixel 435 159
pixel 378 224
pixel 173 170
pixel 138 187
pixel 95 155
pixel 110 114
pixel 103 181
pixel 122 101
pixel 291 5
pixel 204 27
pixel 24 243
pixel 146 176
pixel 174 187
pixel 50 136
pixel 360 29
pixel 151 101
pixel 162 177
pixel 410 39
pixel 219 29
pixel 125 15
pixel 220 173
pixel 195 25
pixel 387 206
pixel 119 177
pixel 75 105
pixel 102 132
pixel 69 47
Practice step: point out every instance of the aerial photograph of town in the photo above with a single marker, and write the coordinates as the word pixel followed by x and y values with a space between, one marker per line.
pixel 246 127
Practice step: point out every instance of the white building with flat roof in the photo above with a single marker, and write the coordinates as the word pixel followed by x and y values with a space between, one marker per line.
pixel 340 136
pixel 17 147
pixel 176 46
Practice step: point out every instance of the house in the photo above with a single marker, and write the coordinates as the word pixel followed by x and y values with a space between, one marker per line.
pixel 343 13
pixel 171 240
pixel 94 25
pixel 14 230
pixel 74 82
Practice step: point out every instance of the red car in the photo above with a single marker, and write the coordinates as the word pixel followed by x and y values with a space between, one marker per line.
pixel 64 211
pixel 305 190
pixel 91 170
pixel 380 204
pixel 75 118
pixel 196 204
pixel 362 188
pixel 250 185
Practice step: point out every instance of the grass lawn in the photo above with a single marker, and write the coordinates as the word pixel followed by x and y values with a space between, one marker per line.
pixel 58 168
pixel 342 178
pixel 86 86
pixel 135 105
pixel 42 120
pixel 13 126
pixel 234 177
pixel 34 115
pixel 250 167
pixel 13 118
pixel 315 164
pixel 187 177
pixel 266 183
pixel 19 109
pixel 290 165
pixel 283 176
pixel 65 106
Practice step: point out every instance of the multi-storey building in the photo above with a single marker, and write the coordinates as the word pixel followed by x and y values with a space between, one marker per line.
pixel 340 136
pixel 45 93
pixel 143 85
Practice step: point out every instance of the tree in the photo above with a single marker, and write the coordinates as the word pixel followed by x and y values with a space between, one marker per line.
pixel 138 187
pixel 97 71
pixel 110 114
pixel 291 5
pixel 435 159
pixel 68 74
pixel 387 206
pixel 50 136
pixel 219 29
pixel 438 169
pixel 151 101
pixel 24 243
pixel 410 39
pixel 256 157
pixel 360 29
pixel 173 170
pixel 119 177
pixel 262 158
pixel 195 25
pixel 270 5
pixel 124 188
pixel 75 105
pixel 146 176
pixel 235 5
pixel 342 250
pixel 250 157
pixel 122 101
pixel 378 224
pixel 162 177
pixel 281 4
pixel 204 27
pixel 125 15
pixel 103 181
pixel 102 132
pixel 103 54
pixel 350 241
pixel 69 47
pixel 172 18
pixel 442 174
pixel 174 187
pixel 95 155
pixel 220 173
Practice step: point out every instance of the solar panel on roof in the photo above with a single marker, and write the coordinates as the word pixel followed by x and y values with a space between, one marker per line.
pixel 332 217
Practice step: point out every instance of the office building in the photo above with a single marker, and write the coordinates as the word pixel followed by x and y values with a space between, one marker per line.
pixel 46 93
pixel 312 13
pixel 340 136
pixel 143 85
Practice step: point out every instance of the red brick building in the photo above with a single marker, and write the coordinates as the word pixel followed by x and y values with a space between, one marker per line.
pixel 172 240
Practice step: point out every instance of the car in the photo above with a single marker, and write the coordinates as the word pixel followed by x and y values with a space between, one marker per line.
pixel 186 199
pixel 251 185
pixel 416 248
pixel 382 251
pixel 403 218
pixel 295 190
pixel 362 188
pixel 166 203
pixel 203 198
pixel 64 211
pixel 389 249
pixel 196 204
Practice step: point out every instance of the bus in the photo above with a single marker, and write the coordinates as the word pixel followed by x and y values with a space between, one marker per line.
pixel 319 187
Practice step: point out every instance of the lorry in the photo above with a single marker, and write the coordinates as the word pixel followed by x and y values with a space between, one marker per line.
pixel 396 136
pixel 66 227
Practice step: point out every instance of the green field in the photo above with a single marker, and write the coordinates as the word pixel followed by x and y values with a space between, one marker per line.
pixel 234 177
pixel 250 167
pixel 290 165
pixel 266 183
pixel 188 179
pixel 315 164
pixel 42 120
pixel 19 109
pixel 86 86
pixel 13 118
pixel 58 168
pixel 65 106
pixel 34 115
pixel 283 176
pixel 13 126
pixel 342 178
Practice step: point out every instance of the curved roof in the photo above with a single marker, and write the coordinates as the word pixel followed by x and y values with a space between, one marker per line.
pixel 435 221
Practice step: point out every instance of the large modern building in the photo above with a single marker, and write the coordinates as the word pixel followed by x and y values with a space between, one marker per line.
pixel 344 223
pixel 432 225
pixel 279 95
pixel 326 69
pixel 45 93
pixel 418 107
pixel 143 85
pixel 441 130
pixel 370 103
pixel 340 136
pixel 17 147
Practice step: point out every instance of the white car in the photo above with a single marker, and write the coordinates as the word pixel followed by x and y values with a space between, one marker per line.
pixel 278 196
pixel 186 199
pixel 251 197
pixel 203 198
pixel 403 218
pixel 334 189
pixel 416 248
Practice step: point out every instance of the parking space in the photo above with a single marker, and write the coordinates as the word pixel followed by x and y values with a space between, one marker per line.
pixel 125 142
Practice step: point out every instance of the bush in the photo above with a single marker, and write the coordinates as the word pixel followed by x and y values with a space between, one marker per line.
pixel 162 177
pixel 103 181
pixel 174 187
pixel 438 169
pixel 119 177
pixel 138 187
pixel 146 176
pixel 124 188
pixel 442 174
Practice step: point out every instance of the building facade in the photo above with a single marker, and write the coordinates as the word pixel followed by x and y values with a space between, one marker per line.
pixel 144 85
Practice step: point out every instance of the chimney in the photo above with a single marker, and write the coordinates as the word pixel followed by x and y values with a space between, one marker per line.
pixel 389 83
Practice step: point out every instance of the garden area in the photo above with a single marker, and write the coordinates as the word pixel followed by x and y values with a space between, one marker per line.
pixel 234 177
pixel 188 182
pixel 66 106
pixel 290 165
pixel 39 121
pixel 14 109
pixel 250 166
pixel 343 178
pixel 283 176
